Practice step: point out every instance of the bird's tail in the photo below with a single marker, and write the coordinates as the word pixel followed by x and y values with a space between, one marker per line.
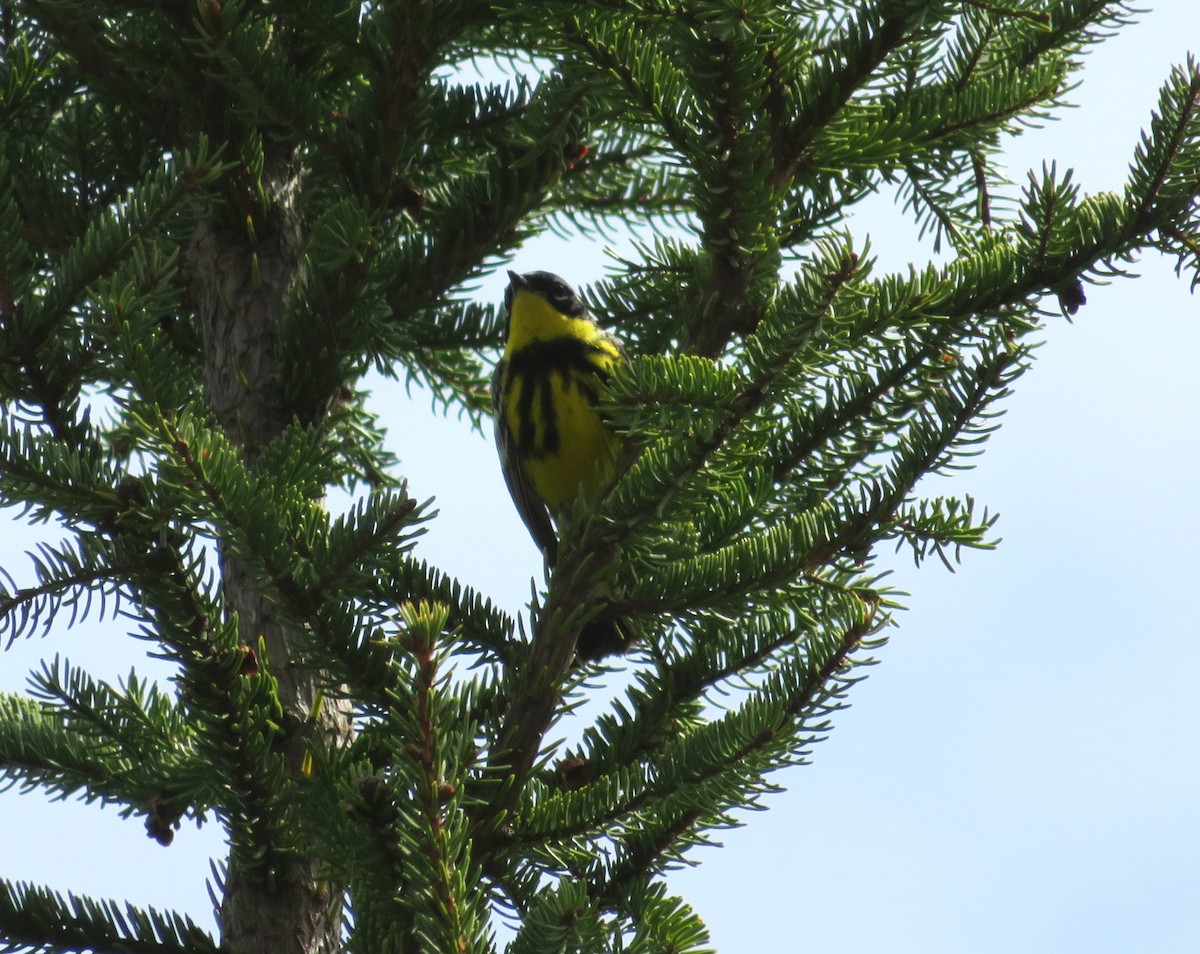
pixel 602 637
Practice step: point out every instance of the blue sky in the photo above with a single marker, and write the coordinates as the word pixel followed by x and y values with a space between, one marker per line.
pixel 1019 772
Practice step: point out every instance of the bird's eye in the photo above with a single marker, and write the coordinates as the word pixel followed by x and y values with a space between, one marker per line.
pixel 560 291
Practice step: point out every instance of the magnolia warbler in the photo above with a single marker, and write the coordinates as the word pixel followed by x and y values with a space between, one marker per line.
pixel 553 443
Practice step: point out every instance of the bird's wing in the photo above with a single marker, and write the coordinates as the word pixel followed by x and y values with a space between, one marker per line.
pixel 529 505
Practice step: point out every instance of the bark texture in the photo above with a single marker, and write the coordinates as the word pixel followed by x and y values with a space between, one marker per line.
pixel 239 281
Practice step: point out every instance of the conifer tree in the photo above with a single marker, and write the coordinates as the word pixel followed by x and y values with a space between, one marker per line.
pixel 217 218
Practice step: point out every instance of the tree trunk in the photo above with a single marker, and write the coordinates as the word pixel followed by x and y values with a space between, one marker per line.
pixel 239 281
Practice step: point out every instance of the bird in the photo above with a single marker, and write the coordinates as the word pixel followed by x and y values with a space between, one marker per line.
pixel 552 441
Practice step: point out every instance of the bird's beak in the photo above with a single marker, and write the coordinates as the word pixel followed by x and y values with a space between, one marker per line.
pixel 516 280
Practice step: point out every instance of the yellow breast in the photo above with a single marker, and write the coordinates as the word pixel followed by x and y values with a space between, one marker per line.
pixel 568 449
pixel 554 369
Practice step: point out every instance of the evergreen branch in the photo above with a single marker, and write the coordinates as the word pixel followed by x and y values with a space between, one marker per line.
pixel 438 342
pixel 238 720
pixel 969 47
pixel 661 89
pixel 928 198
pixel 106 60
pixel 480 214
pixel 335 306
pixel 634 757
pixel 650 851
pixel 358 539
pixel 979 168
pixel 1185 246
pixel 37 750
pixel 130 546
pixel 474 217
pixel 59 472
pixel 936 525
pixel 651 300
pixel 848 411
pixel 1169 154
pixel 311 566
pixel 64 576
pixel 134 332
pixel 371 802
pixel 354 661
pixel 535 692
pixel 163 195
pixel 562 917
pixel 797 315
pixel 1039 17
pixel 130 748
pixel 845 65
pixel 255 63
pixel 933 441
pixel 253 509
pixel 820 202
pixel 399 101
pixel 774 727
pixel 429 740
pixel 1072 25
pixel 240 726
pixel 802 542
pixel 140 721
pixel 1057 241
pixel 434 791
pixel 720 653
pixel 56 397
pixel 454 325
pixel 44 343
pixel 455 379
pixel 736 208
pixel 664 468
pixel 270 515
pixel 18 265
pixel 480 624
pixel 36 920
pixel 913 127
pixel 366 844
pixel 664 923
